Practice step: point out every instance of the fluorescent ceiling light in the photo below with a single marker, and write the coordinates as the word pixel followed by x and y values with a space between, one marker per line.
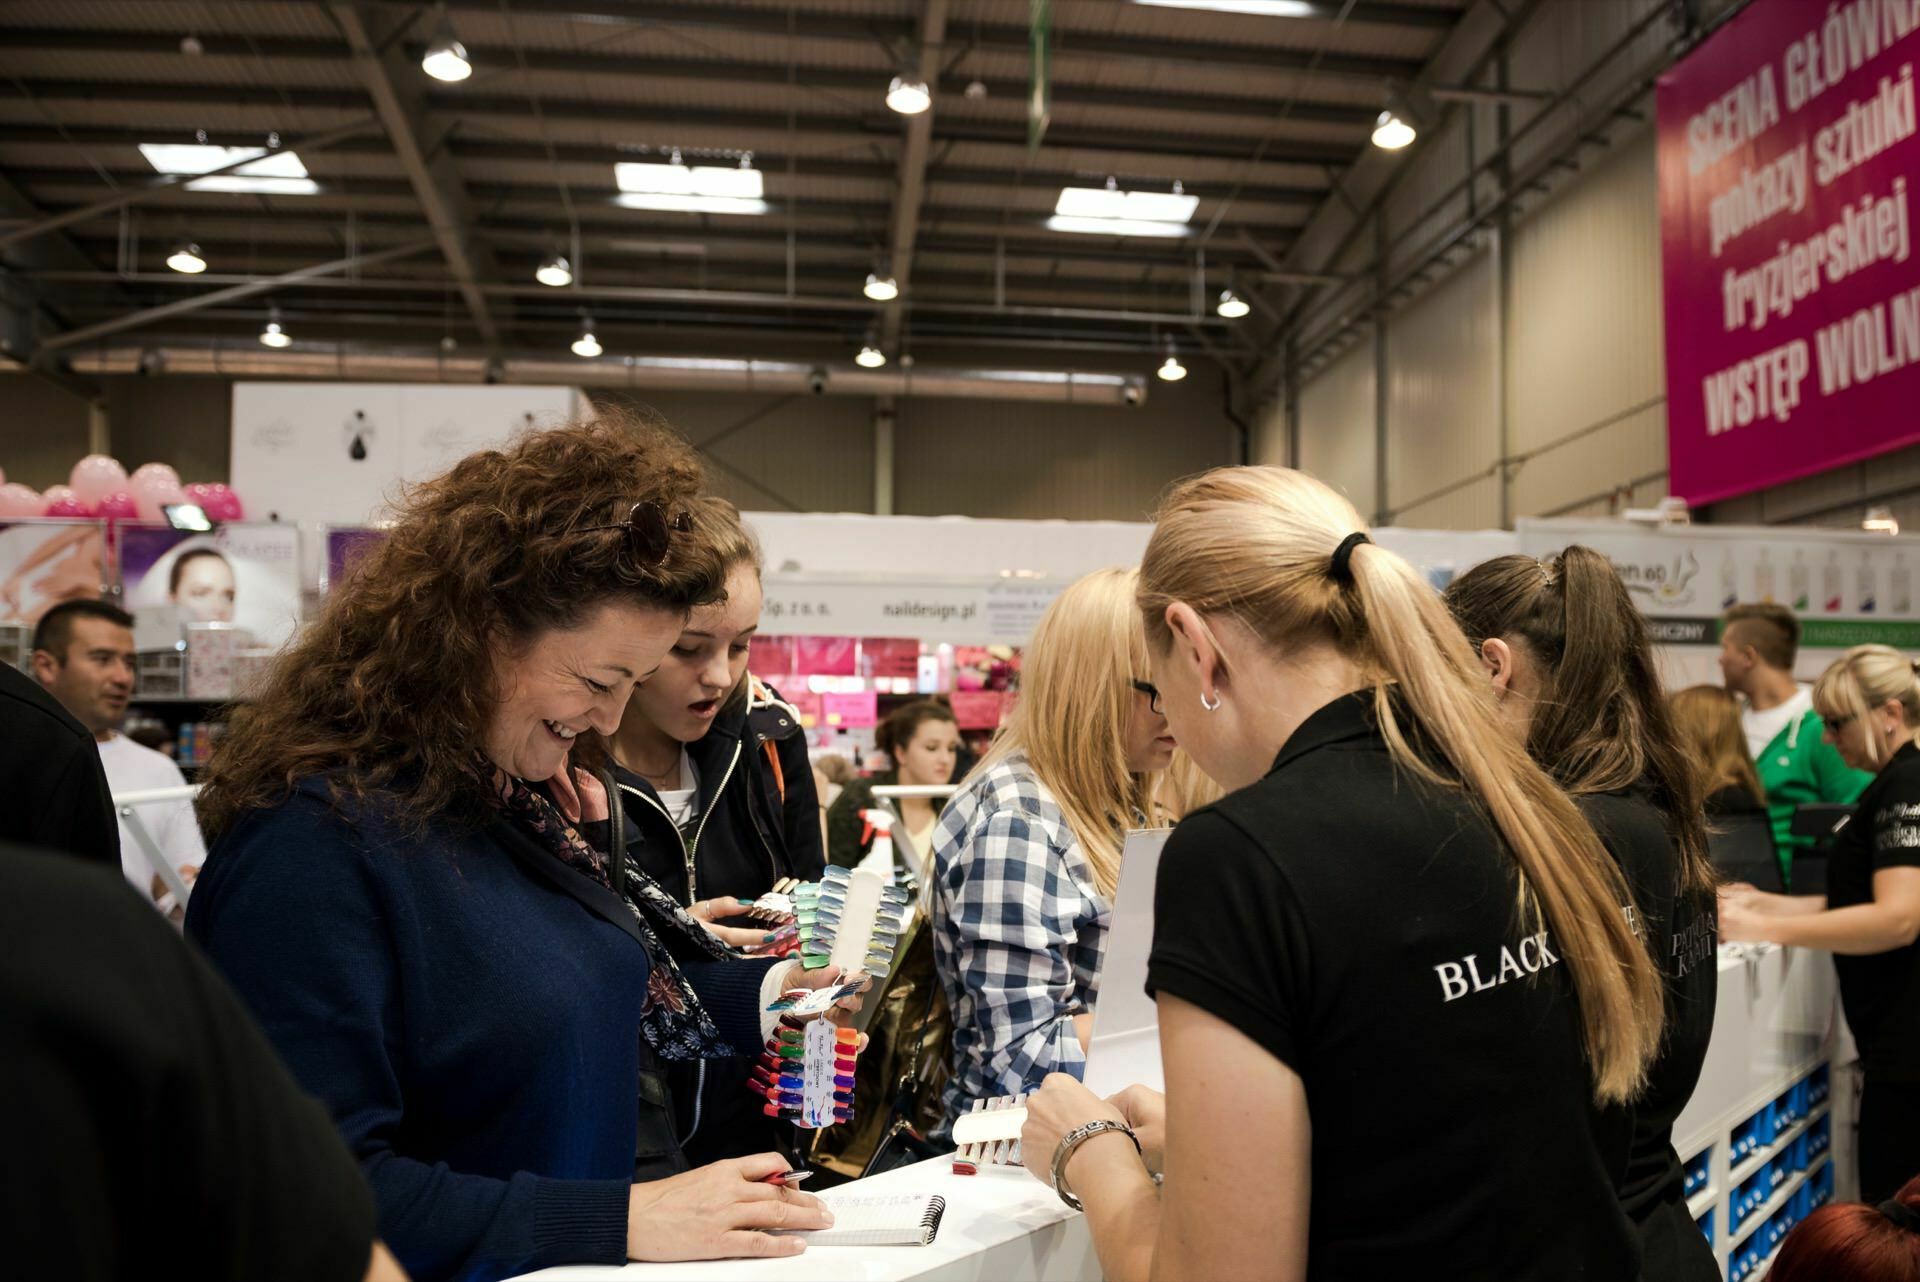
pixel 1108 202
pixel 277 174
pixel 1390 133
pixel 1114 226
pixel 909 97
pixel 690 204
pixel 881 289
pixel 1255 8
pixel 689 180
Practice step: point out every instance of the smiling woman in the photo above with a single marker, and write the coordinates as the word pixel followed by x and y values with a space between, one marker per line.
pixel 417 889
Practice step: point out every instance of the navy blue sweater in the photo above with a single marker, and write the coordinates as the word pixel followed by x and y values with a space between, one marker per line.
pixel 468 1009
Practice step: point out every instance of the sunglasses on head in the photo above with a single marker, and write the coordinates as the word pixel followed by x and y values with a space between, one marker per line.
pixel 649 530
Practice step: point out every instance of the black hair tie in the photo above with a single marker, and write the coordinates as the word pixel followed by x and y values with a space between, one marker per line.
pixel 1900 1213
pixel 1341 567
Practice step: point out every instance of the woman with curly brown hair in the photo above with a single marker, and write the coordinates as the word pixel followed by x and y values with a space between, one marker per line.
pixel 409 880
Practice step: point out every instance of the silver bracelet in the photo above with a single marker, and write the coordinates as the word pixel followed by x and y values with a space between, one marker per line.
pixel 1072 1140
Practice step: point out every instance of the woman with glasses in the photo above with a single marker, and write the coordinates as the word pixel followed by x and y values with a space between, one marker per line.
pixel 1027 854
pixel 410 883
pixel 1870 916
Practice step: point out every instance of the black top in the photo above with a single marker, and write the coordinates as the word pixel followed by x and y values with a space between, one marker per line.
pixel 153 1131
pixel 55 795
pixel 1733 799
pixel 1680 929
pixel 1881 992
pixel 755 826
pixel 1359 924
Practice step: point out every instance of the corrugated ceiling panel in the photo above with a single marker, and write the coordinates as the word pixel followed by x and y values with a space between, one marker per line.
pixel 1443 411
pixel 1336 427
pixel 1586 343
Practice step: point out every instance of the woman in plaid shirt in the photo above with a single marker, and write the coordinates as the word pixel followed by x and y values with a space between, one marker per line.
pixel 1027 854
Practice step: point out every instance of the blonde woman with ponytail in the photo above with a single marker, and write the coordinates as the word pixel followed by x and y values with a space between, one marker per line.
pixel 1870 916
pixel 1027 853
pixel 1399 1001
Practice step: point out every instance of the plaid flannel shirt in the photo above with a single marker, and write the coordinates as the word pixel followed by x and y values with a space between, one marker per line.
pixel 1019 933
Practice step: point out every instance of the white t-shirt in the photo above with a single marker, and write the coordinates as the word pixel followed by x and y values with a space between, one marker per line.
pixel 683 804
pixel 132 768
pixel 1761 727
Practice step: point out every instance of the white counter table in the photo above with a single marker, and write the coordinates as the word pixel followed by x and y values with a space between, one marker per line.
pixel 1000 1224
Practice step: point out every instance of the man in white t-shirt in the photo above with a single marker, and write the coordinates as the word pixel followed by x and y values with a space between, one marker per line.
pixel 83 655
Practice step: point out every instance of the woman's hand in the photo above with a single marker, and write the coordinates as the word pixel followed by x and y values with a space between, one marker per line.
pixel 1145 1110
pixel 1060 1105
pixel 708 911
pixel 1740 924
pixel 798 976
pixel 720 1212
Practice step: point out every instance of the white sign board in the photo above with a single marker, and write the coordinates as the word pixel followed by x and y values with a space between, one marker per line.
pixel 1125 1047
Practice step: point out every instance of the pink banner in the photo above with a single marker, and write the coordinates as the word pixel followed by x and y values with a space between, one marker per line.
pixel 977 709
pixel 1792 287
pixel 847 710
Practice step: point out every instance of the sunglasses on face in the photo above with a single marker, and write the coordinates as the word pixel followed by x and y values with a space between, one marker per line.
pixel 649 530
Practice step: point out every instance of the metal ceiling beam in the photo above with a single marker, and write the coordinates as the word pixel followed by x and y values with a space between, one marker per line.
pixel 169 183
pixel 436 183
pixel 912 190
pixel 987 37
pixel 199 302
pixel 668 125
pixel 579 63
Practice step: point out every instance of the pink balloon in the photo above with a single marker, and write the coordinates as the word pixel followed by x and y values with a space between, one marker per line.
pixel 3 476
pixel 60 500
pixel 199 492
pixel 222 503
pixel 96 476
pixel 159 470
pixel 151 493
pixel 18 500
pixel 119 506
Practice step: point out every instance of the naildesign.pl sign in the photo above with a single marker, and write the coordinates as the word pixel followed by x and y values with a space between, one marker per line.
pixel 1789 165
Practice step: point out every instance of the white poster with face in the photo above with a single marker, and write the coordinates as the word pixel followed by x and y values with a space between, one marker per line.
pixel 247 575
pixel 43 563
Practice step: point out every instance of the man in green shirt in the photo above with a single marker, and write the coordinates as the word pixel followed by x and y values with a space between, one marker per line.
pixel 1797 765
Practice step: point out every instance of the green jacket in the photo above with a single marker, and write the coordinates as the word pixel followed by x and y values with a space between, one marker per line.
pixel 1800 768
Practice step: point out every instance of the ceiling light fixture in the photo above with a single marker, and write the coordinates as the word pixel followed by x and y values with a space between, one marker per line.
pixel 1171 370
pixel 187 259
pixel 277 173
pixel 1109 211
pixel 881 289
pixel 586 345
pixel 1880 520
pixel 1232 306
pixel 1250 8
pixel 693 189
pixel 556 271
pixel 1391 133
pixel 274 335
pixel 909 97
pixel 446 57
pixel 870 357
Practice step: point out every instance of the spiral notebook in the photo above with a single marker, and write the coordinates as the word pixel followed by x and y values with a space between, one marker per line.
pixel 904 1219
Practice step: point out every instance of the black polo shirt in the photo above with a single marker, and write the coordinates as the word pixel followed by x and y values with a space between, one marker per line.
pixel 55 796
pixel 1680 928
pixel 1360 925
pixel 1881 991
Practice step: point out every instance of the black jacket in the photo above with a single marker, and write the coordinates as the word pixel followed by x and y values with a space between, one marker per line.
pixel 756 824
pixel 55 794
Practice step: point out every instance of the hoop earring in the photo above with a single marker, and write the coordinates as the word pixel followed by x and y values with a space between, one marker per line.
pixel 1210 707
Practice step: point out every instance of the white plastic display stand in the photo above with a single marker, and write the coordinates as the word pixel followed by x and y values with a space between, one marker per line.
pixel 1125 1047
pixel 1000 1224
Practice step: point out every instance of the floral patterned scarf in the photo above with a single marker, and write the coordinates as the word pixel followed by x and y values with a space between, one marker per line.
pixel 672 1018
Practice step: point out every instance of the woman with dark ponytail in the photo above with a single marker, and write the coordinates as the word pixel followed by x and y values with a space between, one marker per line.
pixel 1573 668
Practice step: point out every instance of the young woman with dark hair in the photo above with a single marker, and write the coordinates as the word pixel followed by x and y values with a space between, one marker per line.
pixel 1569 656
pixel 923 742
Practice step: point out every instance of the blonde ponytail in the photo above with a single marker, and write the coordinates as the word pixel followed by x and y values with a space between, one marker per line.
pixel 1256 544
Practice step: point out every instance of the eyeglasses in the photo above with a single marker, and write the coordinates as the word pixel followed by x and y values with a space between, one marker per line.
pixel 649 530
pixel 1151 691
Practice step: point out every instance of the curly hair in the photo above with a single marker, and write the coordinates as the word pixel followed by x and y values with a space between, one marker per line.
pixel 390 689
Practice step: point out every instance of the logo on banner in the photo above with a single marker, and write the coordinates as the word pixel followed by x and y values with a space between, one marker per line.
pixel 1665 584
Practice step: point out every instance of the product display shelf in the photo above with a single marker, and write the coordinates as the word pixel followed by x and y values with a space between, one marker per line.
pixel 1758 1133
